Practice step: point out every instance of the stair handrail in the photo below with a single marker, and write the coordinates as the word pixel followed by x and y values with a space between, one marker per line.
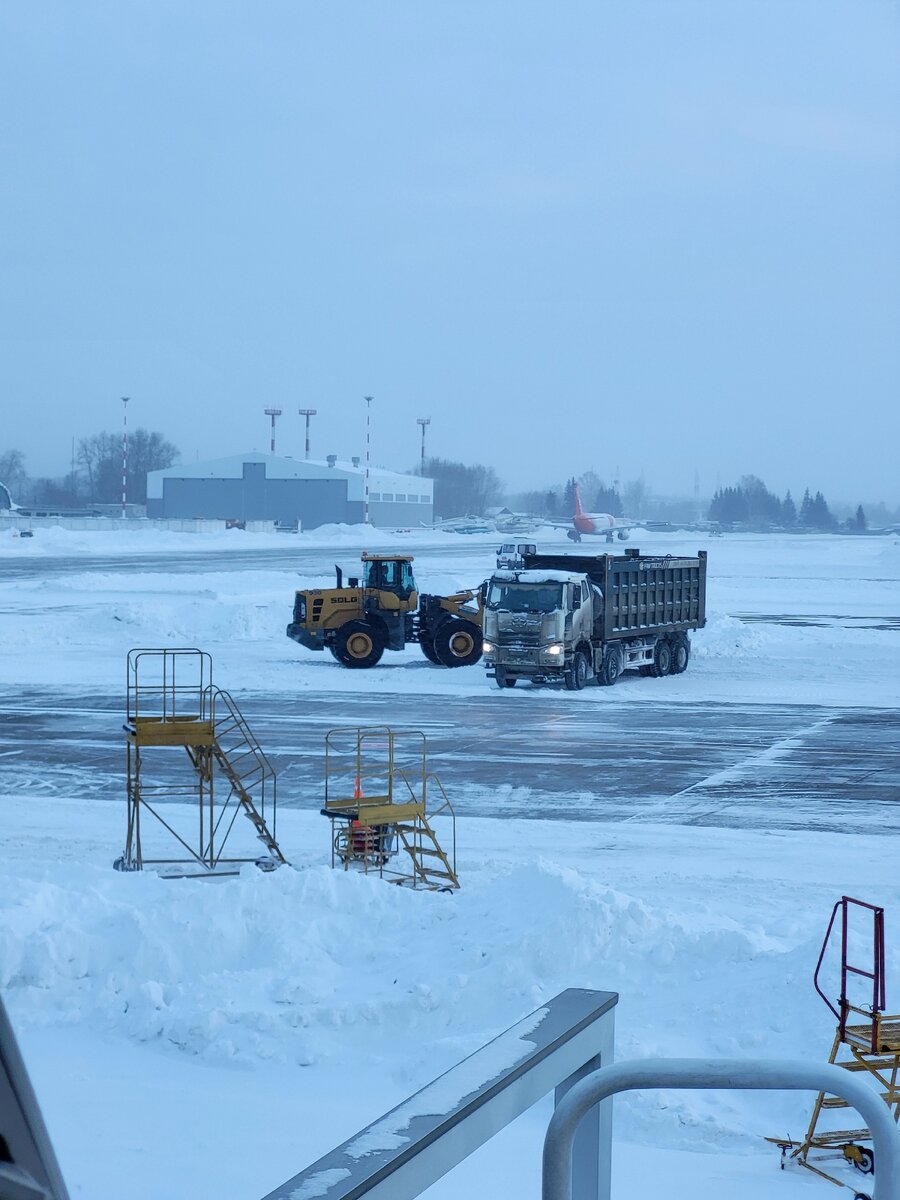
pixel 446 806
pixel 876 974
pixel 267 771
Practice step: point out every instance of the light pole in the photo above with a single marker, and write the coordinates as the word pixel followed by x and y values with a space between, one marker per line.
pixel 368 400
pixel 273 413
pixel 125 400
pixel 307 412
pixel 423 421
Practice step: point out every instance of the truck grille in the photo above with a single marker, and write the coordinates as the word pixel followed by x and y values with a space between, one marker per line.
pixel 520 639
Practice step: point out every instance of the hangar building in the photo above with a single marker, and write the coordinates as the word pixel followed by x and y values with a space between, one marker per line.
pixel 269 487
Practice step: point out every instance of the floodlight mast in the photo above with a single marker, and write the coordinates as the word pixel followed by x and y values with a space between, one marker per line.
pixel 273 413
pixel 307 412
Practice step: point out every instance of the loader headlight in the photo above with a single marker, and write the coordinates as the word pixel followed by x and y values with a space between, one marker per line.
pixel 556 649
pixel 487 647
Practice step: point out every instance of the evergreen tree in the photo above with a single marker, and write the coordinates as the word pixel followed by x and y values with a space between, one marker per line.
pixel 820 515
pixel 788 511
pixel 608 500
pixel 805 507
pixel 861 523
pixel 569 496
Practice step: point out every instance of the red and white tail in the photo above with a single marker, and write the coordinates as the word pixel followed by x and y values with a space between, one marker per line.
pixel 579 511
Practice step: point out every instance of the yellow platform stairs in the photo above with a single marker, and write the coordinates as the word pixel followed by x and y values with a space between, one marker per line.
pixel 173 705
pixel 377 789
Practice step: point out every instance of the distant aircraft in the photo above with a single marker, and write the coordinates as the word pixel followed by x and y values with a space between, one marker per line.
pixel 516 523
pixel 593 524
pixel 461 525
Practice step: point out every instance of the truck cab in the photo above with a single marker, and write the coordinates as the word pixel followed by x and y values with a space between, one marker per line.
pixel 535 621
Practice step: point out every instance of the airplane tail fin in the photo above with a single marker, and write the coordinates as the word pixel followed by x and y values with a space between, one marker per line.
pixel 579 511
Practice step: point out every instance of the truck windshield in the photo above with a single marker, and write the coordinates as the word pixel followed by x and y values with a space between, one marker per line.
pixel 525 597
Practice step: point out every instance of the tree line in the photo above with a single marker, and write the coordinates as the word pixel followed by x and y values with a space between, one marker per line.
pixel 750 502
pixel 96 474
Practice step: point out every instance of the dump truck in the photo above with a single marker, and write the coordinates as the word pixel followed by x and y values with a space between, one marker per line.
pixel 383 610
pixel 567 618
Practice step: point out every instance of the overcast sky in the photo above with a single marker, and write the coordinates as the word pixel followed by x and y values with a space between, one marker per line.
pixel 649 236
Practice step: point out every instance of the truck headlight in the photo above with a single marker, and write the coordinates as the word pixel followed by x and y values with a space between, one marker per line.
pixel 487 647
pixel 556 649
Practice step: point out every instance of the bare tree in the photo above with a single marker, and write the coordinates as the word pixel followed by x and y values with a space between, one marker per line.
pixel 12 471
pixel 101 458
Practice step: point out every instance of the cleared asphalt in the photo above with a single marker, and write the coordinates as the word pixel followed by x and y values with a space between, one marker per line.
pixel 737 765
pixel 740 765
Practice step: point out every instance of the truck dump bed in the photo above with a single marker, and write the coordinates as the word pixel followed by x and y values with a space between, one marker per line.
pixel 643 593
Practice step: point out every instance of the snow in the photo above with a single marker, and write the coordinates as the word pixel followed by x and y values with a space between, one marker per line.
pixel 215 1037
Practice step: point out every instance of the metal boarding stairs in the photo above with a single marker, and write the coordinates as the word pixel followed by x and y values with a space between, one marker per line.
pixel 868 1048
pixel 376 795
pixel 172 703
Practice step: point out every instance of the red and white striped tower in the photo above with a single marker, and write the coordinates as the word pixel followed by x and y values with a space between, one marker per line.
pixel 273 413
pixel 368 400
pixel 125 400
pixel 307 412
pixel 423 421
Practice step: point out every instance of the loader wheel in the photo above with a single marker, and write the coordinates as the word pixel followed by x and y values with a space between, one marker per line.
pixel 681 653
pixel 457 643
pixel 359 644
pixel 427 645
pixel 612 667
pixel 662 658
pixel 577 674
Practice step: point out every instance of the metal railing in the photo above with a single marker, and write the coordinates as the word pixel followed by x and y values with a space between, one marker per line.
pixel 560 1181
pixel 412 1146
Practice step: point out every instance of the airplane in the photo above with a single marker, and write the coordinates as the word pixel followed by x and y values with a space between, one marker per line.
pixel 593 524
pixel 467 524
pixel 516 523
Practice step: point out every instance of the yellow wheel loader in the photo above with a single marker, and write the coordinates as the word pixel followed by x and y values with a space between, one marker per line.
pixel 383 610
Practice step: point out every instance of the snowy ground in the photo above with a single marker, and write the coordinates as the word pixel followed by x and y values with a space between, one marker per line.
pixel 212 1038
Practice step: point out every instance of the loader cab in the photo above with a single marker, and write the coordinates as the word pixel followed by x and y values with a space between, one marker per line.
pixel 389 574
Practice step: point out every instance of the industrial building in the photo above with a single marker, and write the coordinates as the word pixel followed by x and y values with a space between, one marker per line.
pixel 269 487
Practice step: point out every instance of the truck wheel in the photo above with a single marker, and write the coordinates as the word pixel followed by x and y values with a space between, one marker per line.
pixel 662 658
pixel 612 667
pixel 502 680
pixel 359 644
pixel 577 675
pixel 427 645
pixel 681 654
pixel 457 643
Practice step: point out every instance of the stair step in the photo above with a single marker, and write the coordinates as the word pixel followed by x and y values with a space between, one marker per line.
pixel 873 1063
pixel 437 874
